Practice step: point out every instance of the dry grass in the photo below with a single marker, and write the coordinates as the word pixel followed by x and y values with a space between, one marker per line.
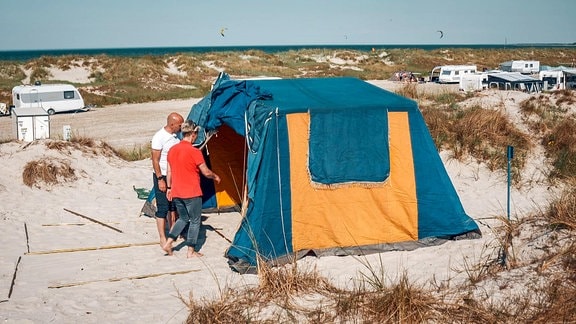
pixel 48 171
pixel 232 307
pixel 282 282
pixel 398 302
pixel 136 153
pixel 292 295
pixel 554 122
pixel 278 297
pixel 85 145
pixel 561 147
pixel 562 211
pixel 51 171
pixel 545 292
pixel 410 90
pixel 481 133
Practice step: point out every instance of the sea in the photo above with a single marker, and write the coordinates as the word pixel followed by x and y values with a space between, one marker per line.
pixel 25 55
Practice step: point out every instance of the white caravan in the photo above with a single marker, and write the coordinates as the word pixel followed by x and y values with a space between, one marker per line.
pixel 524 67
pixel 559 78
pixel 451 73
pixel 51 97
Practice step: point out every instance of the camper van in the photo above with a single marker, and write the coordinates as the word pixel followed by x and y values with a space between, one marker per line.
pixel 450 73
pixel 559 78
pixel 524 67
pixel 51 97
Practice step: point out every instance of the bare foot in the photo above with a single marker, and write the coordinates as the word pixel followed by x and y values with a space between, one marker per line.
pixel 167 247
pixel 194 254
pixel 162 242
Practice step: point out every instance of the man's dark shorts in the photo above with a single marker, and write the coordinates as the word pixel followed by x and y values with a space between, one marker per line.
pixel 163 206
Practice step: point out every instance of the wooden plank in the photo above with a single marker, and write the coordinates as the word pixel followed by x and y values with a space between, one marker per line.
pixel 93 220
pixel 105 247
pixel 73 284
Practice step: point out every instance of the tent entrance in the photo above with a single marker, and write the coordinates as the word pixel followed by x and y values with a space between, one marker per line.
pixel 226 152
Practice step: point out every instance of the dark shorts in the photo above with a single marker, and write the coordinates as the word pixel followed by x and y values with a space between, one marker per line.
pixel 163 206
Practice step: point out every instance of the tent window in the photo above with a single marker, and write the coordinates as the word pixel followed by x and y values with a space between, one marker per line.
pixel 336 157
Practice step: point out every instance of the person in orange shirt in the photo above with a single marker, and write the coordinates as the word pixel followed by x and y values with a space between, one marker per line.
pixel 185 163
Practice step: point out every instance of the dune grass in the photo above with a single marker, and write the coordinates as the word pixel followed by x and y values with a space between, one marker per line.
pixel 540 289
pixel 47 172
pixel 115 80
pixel 478 132
pixel 550 118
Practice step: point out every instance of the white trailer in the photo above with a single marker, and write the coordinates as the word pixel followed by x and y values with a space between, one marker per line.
pixel 52 98
pixel 559 78
pixel 473 82
pixel 451 73
pixel 524 67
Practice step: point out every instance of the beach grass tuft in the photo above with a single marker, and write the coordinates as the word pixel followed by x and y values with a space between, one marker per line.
pixel 47 172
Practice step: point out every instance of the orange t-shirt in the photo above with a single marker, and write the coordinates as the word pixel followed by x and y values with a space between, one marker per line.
pixel 184 160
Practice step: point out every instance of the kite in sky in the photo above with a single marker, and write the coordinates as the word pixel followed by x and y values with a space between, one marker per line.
pixel 222 31
pixel 441 33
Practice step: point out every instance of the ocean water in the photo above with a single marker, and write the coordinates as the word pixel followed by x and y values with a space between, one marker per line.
pixel 25 55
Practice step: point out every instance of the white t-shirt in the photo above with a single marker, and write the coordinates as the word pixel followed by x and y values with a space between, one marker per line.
pixel 163 141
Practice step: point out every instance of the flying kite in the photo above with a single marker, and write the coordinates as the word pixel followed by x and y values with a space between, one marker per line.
pixel 441 33
pixel 222 31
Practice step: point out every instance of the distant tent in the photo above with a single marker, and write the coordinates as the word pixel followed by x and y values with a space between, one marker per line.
pixel 514 81
pixel 328 166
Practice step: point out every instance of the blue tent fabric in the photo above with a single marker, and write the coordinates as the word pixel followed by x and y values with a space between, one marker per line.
pixel 269 206
pixel 441 213
pixel 231 98
pixel 345 113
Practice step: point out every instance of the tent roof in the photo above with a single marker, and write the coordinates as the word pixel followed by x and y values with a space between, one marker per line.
pixel 309 94
pixel 230 99
pixel 513 77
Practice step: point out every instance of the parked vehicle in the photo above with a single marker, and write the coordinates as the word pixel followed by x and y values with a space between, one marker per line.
pixel 51 97
pixel 524 67
pixel 559 78
pixel 450 73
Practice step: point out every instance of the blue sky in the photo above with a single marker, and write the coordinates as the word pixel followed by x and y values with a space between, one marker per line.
pixel 74 24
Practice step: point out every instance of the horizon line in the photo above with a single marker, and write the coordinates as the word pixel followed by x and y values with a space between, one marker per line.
pixel 297 45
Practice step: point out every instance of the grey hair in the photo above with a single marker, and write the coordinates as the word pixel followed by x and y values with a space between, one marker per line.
pixel 189 126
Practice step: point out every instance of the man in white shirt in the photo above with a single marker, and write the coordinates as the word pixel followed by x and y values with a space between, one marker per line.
pixel 162 141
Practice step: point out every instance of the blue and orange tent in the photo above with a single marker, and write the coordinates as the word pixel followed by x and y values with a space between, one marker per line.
pixel 329 166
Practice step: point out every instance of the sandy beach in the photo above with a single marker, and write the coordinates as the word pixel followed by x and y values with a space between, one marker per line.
pixel 58 266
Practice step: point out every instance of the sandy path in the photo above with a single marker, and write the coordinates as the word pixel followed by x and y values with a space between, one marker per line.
pixel 122 126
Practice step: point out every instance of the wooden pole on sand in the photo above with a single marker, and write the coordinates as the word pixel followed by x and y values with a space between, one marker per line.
pixel 72 284
pixel 93 220
pixel 106 247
